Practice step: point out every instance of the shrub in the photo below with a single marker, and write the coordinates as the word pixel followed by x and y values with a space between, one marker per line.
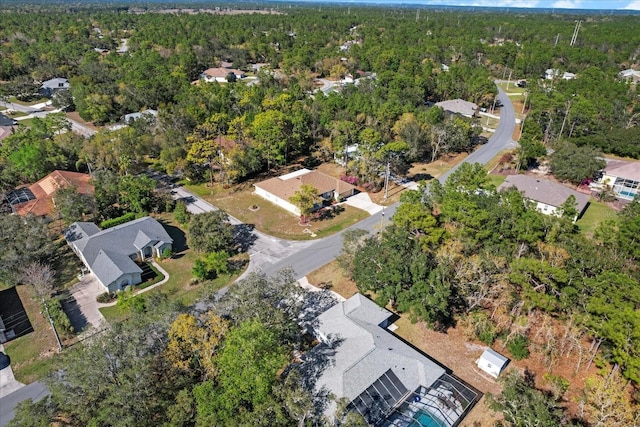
pixel 104 297
pixel 59 317
pixel 180 212
pixel 117 221
pixel 166 252
pixel 519 347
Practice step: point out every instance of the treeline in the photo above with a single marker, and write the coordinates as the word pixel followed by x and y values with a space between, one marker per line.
pixel 462 252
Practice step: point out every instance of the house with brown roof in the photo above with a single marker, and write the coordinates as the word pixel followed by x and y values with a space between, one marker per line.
pixel 280 189
pixel 547 196
pixel 39 199
pixel 220 74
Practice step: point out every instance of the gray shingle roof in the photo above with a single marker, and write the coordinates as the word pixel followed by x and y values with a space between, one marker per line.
pixel 110 266
pixel 542 190
pixel 364 350
pixel 495 358
pixel 117 244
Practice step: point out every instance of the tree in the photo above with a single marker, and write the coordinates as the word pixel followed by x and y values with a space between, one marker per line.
pixel 629 229
pixel 206 143
pixel 23 241
pixel 575 164
pixel 136 193
pixel 73 205
pixel 180 212
pixel 40 276
pixel 210 232
pixel 305 199
pixel 523 405
pixel 212 265
pixel 607 402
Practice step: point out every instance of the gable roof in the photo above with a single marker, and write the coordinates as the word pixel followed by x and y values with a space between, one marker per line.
pixel 110 266
pixel 544 191
pixel 621 169
pixel 495 358
pixel 285 186
pixel 44 191
pixel 458 106
pixel 108 252
pixel 365 351
pixel 56 83
pixel 135 116
pixel 218 72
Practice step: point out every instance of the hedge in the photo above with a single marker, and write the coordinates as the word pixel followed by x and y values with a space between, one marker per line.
pixel 130 216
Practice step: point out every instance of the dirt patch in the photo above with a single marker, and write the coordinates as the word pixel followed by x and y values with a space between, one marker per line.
pixel 332 277
pixel 76 117
pixel 428 171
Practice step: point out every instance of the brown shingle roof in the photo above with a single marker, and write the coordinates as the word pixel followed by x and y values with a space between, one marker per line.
pixel 45 189
pixel 285 186
pixel 221 72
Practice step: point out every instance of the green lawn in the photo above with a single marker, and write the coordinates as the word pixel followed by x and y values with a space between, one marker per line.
pixel 179 287
pixel 497 179
pixel 596 213
pixel 14 100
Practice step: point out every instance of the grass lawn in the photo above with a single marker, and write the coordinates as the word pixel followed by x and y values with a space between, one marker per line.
pixel 270 218
pixel 26 123
pixel 333 277
pixel 497 179
pixel 179 287
pixel 15 100
pixel 33 355
pixel 428 171
pixel 596 213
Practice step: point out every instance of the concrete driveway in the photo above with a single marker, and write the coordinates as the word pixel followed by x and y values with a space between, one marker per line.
pixel 363 201
pixel 81 306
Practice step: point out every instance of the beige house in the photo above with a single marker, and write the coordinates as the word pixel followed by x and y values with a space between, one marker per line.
pixel 458 106
pixel 280 189
pixel 623 178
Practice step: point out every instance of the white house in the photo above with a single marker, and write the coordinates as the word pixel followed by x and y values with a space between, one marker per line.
pixel 623 178
pixel 384 379
pixel 630 75
pixel 547 196
pixel 50 87
pixel 458 106
pixel 554 73
pixel 278 190
pixel 492 362
pixel 220 74
pixel 132 117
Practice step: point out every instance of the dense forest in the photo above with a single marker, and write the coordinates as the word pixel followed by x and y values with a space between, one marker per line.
pixel 455 252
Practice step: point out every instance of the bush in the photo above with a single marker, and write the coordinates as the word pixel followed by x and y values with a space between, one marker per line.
pixel 59 317
pixel 117 221
pixel 519 347
pixel 166 253
pixel 180 212
pixel 105 297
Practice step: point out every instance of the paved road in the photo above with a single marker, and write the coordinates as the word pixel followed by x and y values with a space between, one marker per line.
pixel 34 391
pixel 323 251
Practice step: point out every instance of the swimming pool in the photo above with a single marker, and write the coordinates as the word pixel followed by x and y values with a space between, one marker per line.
pixel 425 419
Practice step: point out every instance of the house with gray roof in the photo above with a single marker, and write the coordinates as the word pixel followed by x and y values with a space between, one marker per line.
pixel 383 378
pixel 50 87
pixel 546 196
pixel 111 254
pixel 458 106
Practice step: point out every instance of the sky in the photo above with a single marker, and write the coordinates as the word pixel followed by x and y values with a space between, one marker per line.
pixel 557 4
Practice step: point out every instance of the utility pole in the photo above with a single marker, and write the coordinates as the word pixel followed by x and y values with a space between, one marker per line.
pixel 526 92
pixel 564 121
pixel 557 38
pixel 509 81
pixel 417 15
pixel 575 33
pixel 386 179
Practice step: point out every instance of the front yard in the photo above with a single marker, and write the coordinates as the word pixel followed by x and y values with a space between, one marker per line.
pixel 240 202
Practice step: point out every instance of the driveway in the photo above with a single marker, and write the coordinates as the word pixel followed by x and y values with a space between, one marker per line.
pixel 363 201
pixel 81 306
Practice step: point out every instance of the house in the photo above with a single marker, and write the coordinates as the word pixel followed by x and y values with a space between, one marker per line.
pixel 547 196
pixel 220 74
pixel 111 254
pixel 350 152
pixel 458 106
pixel 278 190
pixel 492 362
pixel 554 73
pixel 623 178
pixel 632 76
pixel 39 199
pixel 384 379
pixel 50 87
pixel 132 117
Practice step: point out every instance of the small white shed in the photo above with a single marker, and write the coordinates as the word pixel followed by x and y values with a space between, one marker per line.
pixel 492 362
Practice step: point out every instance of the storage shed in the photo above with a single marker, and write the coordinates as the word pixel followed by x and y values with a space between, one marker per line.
pixel 492 362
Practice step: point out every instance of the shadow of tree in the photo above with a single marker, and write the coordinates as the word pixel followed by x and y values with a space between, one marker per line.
pixel 179 237
pixel 244 236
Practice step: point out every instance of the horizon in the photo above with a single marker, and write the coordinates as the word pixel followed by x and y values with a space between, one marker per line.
pixel 565 5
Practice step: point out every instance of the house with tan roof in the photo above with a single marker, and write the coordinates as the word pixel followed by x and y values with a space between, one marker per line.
pixel 547 196
pixel 623 178
pixel 280 189
pixel 220 74
pixel 39 199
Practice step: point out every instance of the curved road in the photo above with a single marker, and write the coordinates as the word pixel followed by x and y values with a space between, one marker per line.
pixel 323 251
